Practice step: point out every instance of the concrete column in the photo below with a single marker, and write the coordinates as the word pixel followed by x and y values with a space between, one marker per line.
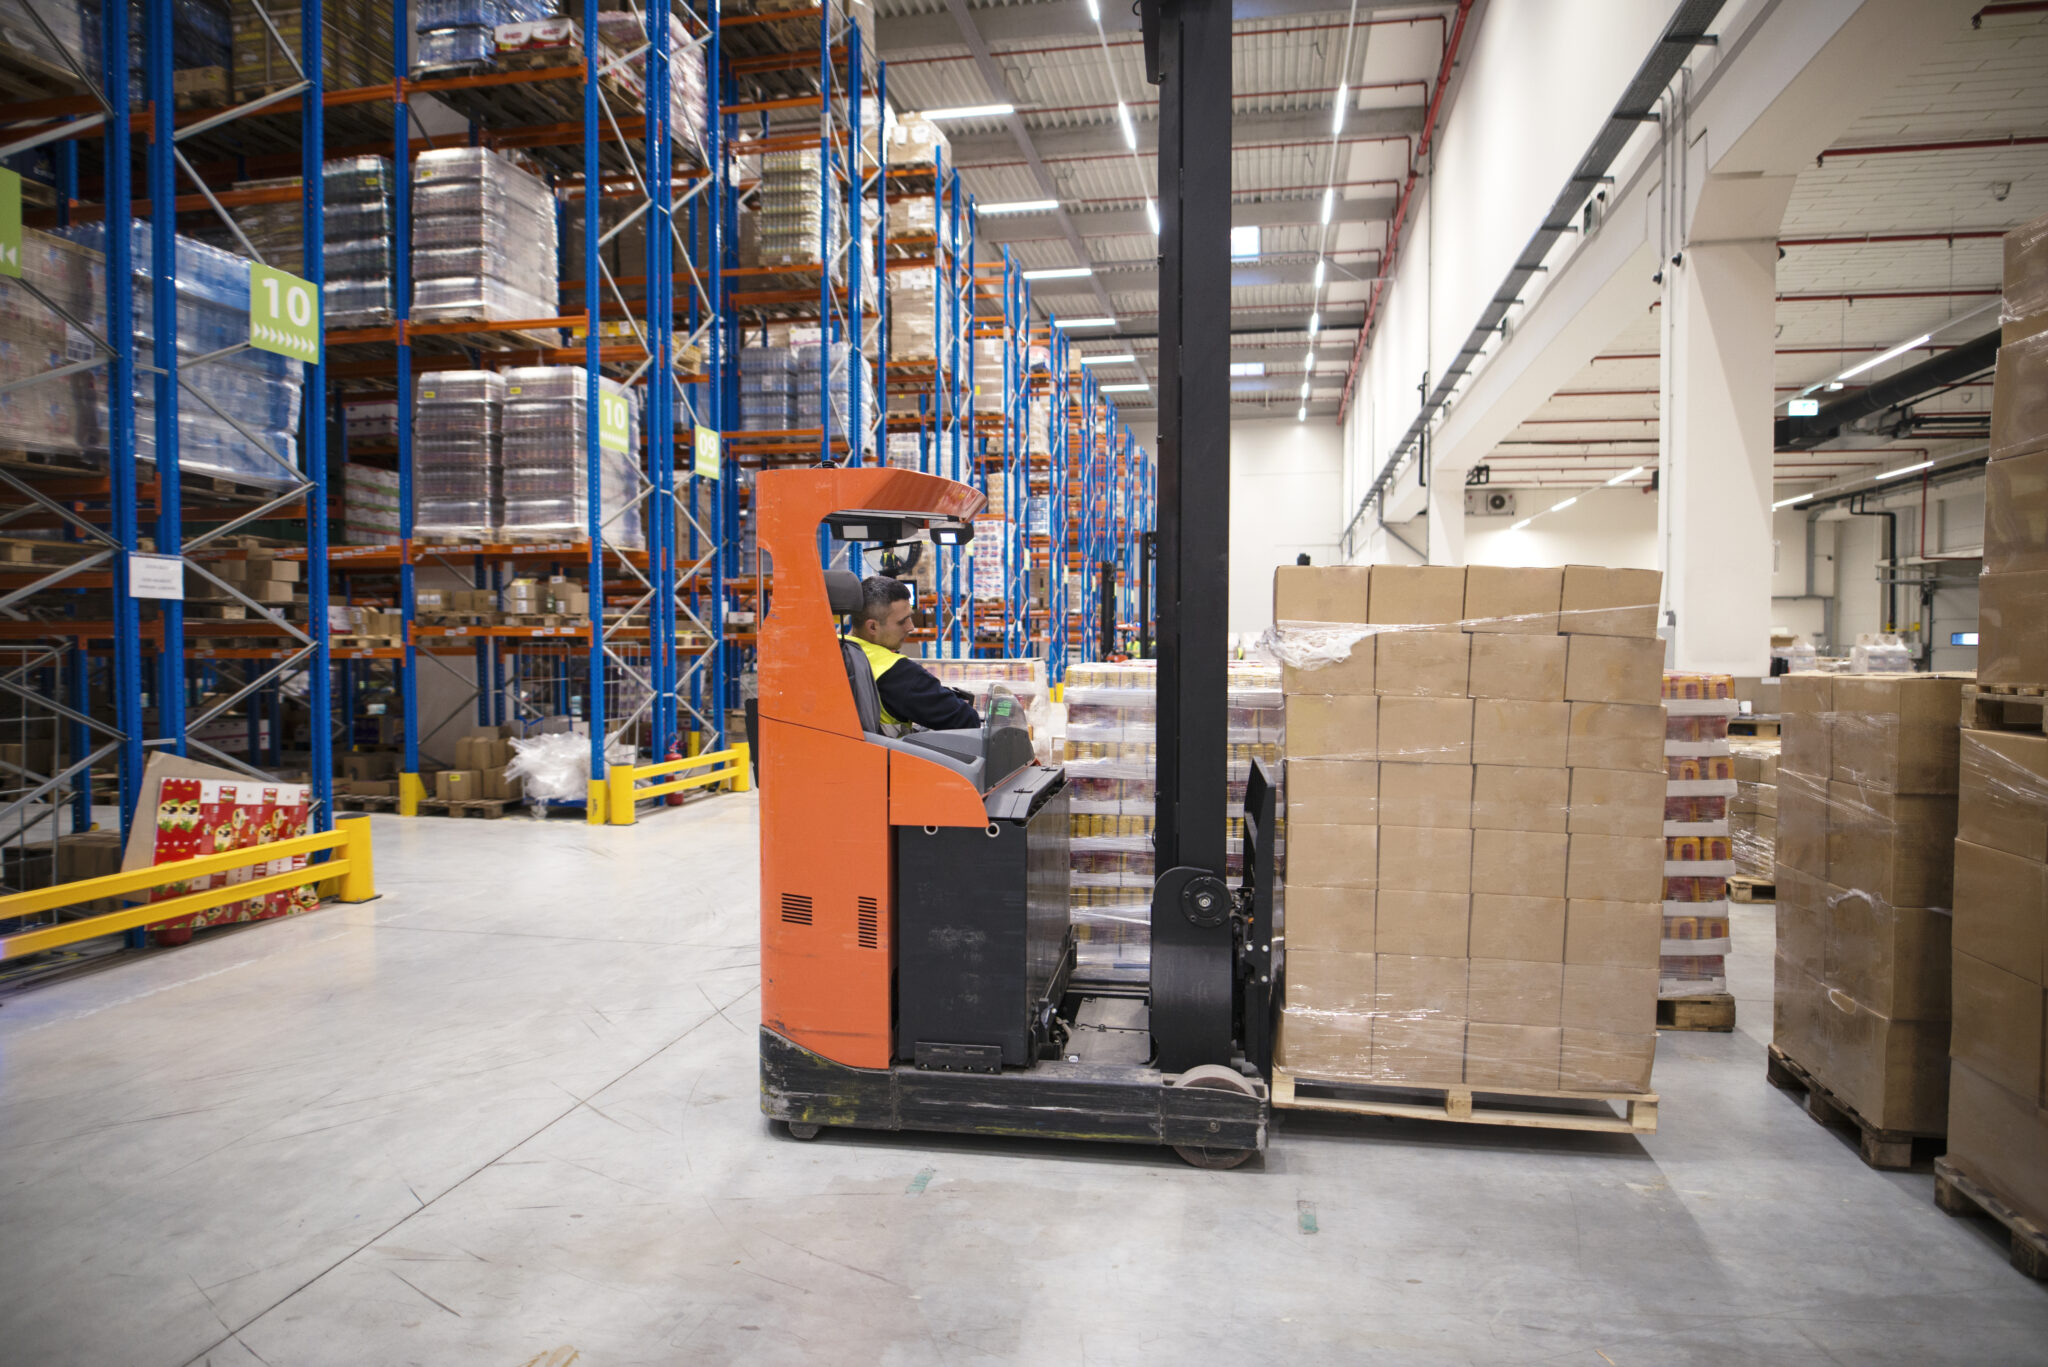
pixel 1715 441
pixel 1447 517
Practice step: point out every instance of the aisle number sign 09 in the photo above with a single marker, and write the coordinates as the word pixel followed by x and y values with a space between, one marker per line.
pixel 10 223
pixel 705 449
pixel 284 314
pixel 613 421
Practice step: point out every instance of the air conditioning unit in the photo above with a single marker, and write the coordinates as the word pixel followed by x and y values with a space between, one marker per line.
pixel 1489 503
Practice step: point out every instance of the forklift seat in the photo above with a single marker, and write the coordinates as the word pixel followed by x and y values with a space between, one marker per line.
pixel 843 593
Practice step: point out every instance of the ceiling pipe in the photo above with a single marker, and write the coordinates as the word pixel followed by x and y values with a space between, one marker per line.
pixel 1957 363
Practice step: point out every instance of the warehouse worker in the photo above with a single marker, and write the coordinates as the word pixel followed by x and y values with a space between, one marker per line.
pixel 908 692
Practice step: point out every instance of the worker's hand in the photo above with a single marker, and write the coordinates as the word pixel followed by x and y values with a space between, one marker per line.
pixel 963 695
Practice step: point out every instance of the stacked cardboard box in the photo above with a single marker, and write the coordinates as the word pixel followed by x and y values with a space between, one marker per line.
pixel 1475 799
pixel 261 576
pixel 1753 817
pixel 1998 1098
pixel 355 45
pixel 479 773
pixel 1698 846
pixel 1866 832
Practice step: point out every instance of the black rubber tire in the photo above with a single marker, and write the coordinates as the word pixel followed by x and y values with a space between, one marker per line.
pixel 800 1130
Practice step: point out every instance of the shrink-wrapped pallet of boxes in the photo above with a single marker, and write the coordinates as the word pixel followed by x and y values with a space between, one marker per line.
pixel 1753 816
pixel 1475 801
pixel 1698 851
pixel 1865 862
pixel 1997 1157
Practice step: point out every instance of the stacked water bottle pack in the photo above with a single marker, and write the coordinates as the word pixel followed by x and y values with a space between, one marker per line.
pixel 793 211
pixel 463 33
pixel 458 416
pixel 238 415
pixel 851 423
pixel 358 234
pixel 767 384
pixel 483 239
pixel 544 463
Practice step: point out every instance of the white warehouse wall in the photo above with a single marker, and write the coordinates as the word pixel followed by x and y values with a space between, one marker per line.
pixel 1285 480
pixel 1613 527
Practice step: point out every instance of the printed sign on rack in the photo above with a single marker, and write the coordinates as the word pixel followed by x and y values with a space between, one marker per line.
pixel 707 455
pixel 613 421
pixel 284 314
pixel 10 223
pixel 156 576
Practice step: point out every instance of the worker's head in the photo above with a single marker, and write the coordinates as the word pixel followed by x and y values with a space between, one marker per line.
pixel 884 613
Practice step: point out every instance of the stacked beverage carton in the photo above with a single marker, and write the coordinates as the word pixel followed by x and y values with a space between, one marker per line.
pixel 483 239
pixel 1475 801
pixel 767 389
pixel 1998 1100
pixel 463 33
pixel 1698 839
pixel 544 459
pixel 359 238
pixel 1867 783
pixel 355 45
pixel 792 211
pixel 40 410
pixel 369 505
pixel 852 422
pixel 1112 770
pixel 458 418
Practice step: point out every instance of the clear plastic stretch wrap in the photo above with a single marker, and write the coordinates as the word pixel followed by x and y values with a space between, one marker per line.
pixel 458 418
pixel 1866 857
pixel 1025 679
pixel 70 23
pixel 792 212
pixel 1476 798
pixel 625 32
pixel 853 425
pixel 917 325
pixel 230 410
pixel 355 45
pixel 767 389
pixel 544 459
pixel 1998 1106
pixel 369 505
pixel 483 239
pixel 1111 763
pixel 1753 815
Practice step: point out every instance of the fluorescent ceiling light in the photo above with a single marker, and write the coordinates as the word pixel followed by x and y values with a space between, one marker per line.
pixel 1905 470
pixel 1060 273
pixel 1329 203
pixel 972 111
pixel 1304 389
pixel 1319 272
pixel 1901 349
pixel 1020 206
pixel 1315 323
pixel 1788 502
pixel 1123 116
pixel 1121 358
pixel 1833 385
pixel 1094 13
pixel 1308 362
pixel 1627 476
pixel 1125 388
pixel 1244 242
pixel 1301 413
pixel 1337 120
pixel 1248 368
pixel 1152 215
pixel 1067 323
pixel 1560 507
pixel 1523 523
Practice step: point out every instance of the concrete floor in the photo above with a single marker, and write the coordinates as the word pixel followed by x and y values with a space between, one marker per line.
pixel 507 1115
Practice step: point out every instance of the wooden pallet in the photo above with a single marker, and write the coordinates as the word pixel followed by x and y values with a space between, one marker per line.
pixel 1466 1105
pixel 1879 1148
pixel 1743 888
pixel 366 802
pixel 2004 708
pixel 1959 1195
pixel 487 808
pixel 363 642
pixel 1713 1011
pixel 1765 727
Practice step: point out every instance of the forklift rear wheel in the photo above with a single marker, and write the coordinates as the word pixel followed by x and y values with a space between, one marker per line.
pixel 800 1130
pixel 1213 1075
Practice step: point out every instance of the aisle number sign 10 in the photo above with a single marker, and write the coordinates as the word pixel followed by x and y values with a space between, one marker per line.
pixel 10 223
pixel 613 421
pixel 284 314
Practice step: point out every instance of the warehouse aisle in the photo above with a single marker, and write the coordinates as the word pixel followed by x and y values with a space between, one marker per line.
pixel 510 1108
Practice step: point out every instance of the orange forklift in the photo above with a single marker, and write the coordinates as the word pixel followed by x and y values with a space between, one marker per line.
pixel 918 968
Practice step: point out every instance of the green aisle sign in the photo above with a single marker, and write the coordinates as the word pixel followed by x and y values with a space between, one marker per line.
pixel 284 314
pixel 613 421
pixel 706 447
pixel 10 223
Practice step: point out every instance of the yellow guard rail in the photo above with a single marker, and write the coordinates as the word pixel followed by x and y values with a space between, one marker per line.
pixel 349 877
pixel 729 765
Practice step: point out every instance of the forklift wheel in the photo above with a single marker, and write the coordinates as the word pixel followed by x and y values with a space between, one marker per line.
pixel 1213 1075
pixel 799 1130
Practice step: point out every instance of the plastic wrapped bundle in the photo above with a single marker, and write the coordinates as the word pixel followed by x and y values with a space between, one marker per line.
pixel 916 325
pixel 458 416
pixel 767 389
pixel 852 424
pixel 355 45
pixel 483 239
pixel 623 31
pixel 68 22
pixel 544 461
pixel 369 505
pixel 906 451
pixel 235 407
pixel 60 415
pixel 793 212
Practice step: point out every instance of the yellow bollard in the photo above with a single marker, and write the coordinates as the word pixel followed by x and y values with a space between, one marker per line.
pixel 410 790
pixel 594 806
pixel 359 884
pixel 624 810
